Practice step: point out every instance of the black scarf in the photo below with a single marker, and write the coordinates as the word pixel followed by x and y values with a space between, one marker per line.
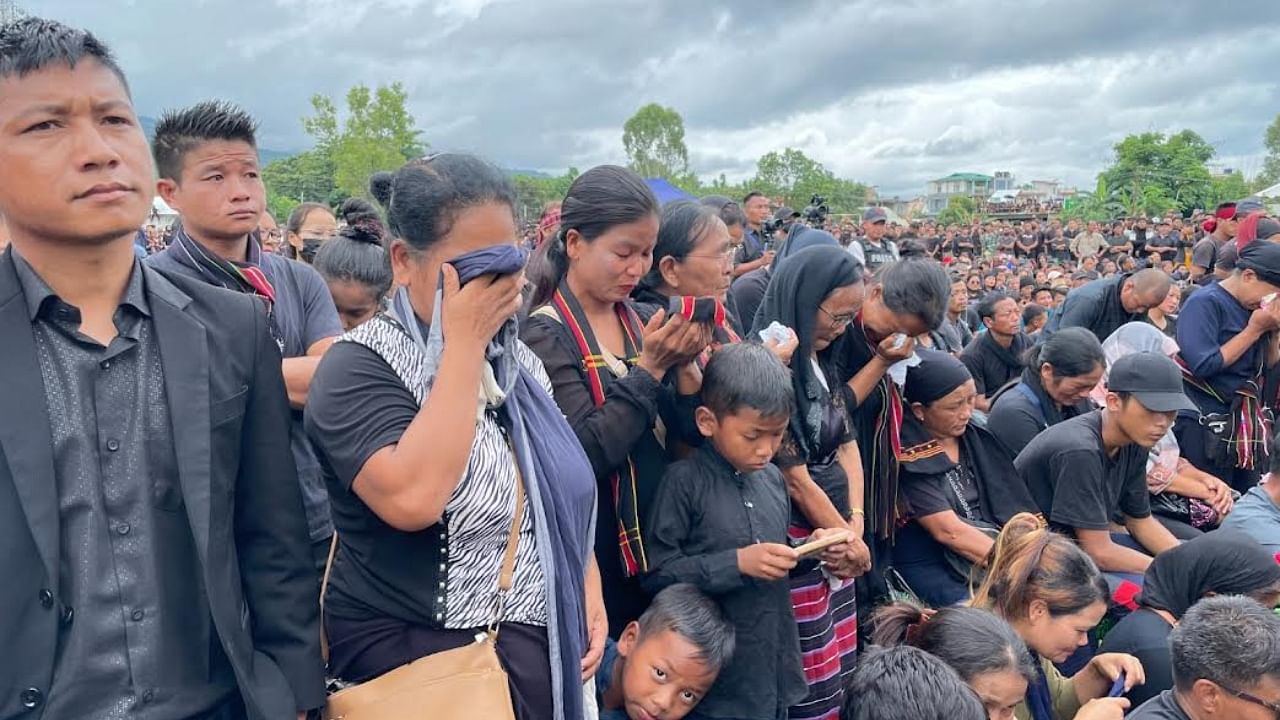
pixel 1001 491
pixel 798 287
pixel 242 277
pixel 1049 409
pixel 1010 356
pixel 1225 562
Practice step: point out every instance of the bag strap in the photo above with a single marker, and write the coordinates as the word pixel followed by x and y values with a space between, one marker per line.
pixel 324 585
pixel 506 576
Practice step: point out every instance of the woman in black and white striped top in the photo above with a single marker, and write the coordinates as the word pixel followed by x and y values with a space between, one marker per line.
pixel 422 449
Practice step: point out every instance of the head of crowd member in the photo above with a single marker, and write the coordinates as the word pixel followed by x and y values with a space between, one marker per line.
pixel 735 221
pixel 1043 296
pixel 959 296
pixel 310 225
pixel 816 292
pixel 756 208
pixel 874 223
pixel 990 280
pixel 670 657
pixel 1268 230
pixel 693 254
pixel 909 296
pixel 69 129
pixel 1068 365
pixel 1033 318
pixel 1223 562
pixel 907 682
pixel 940 394
pixel 1144 290
pixel 1045 586
pixel 1226 660
pixel 980 646
pixel 269 233
pixel 998 313
pixel 609 224
pixel 1223 222
pixel 1094 226
pixel 1144 395
pixel 207 160
pixel 1257 274
pixel 974 283
pixel 439 208
pixel 1127 263
pixel 747 400
pixel 355 264
pixel 548 223
pixel 1172 301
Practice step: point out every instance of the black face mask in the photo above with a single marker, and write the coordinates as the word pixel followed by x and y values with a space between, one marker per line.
pixel 309 249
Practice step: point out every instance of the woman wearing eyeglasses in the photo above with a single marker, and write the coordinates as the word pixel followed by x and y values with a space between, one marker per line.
pixel 816 292
pixel 693 257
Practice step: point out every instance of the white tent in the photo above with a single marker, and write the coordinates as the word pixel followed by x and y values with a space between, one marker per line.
pixel 161 214
pixel 1270 193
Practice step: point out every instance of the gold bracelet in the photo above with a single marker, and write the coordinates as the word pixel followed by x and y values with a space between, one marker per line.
pixel 858 511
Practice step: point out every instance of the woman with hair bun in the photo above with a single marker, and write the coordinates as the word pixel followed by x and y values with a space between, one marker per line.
pixel 612 369
pixel 982 648
pixel 1052 594
pixel 444 452
pixel 355 264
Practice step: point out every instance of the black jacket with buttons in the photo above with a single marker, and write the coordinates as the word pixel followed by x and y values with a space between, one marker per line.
pixel 238 484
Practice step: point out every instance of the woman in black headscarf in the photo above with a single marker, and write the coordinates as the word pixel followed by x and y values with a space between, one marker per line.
pixel 958 484
pixel 1223 562
pixel 816 292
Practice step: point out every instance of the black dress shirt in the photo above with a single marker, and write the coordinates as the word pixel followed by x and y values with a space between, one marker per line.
pixel 139 641
pixel 703 513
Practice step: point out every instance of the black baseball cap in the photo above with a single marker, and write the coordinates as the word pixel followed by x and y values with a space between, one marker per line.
pixel 785 213
pixel 1152 378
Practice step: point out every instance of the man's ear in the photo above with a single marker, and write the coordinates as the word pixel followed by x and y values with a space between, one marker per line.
pixel 706 421
pixel 168 190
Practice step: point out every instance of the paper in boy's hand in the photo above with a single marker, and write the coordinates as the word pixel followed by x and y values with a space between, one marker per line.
pixel 813 547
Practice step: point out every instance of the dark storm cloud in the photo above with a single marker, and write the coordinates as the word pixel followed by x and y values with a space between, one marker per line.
pixel 549 83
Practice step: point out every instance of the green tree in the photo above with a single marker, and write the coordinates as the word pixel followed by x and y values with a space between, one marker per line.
pixel 533 192
pixel 960 210
pixel 1226 188
pixel 1271 165
pixel 1153 173
pixel 377 133
pixel 654 141
pixel 1104 203
pixel 797 178
pixel 305 177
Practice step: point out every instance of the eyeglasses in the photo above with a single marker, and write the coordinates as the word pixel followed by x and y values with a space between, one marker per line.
pixel 839 320
pixel 1273 707
pixel 725 255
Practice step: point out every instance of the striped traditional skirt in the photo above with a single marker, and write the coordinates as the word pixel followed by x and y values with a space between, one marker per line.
pixel 827 619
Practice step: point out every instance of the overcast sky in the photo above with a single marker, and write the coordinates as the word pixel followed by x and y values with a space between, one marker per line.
pixel 891 93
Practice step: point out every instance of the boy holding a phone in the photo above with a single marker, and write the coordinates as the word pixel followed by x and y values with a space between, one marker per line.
pixel 719 522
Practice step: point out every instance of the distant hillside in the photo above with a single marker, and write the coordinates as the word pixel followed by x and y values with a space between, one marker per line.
pixel 266 154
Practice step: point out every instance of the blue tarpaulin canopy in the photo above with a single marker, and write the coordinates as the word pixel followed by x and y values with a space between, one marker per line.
pixel 666 192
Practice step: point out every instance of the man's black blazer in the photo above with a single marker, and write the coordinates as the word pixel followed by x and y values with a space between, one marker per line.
pixel 230 420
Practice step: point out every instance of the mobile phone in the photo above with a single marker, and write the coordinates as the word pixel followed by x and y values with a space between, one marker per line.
pixel 1117 687
pixel 814 547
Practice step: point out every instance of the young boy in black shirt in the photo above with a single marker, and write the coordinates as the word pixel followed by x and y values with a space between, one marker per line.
pixel 719 522
pixel 1091 470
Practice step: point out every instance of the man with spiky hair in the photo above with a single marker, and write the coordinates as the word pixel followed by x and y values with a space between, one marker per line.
pixel 155 556
pixel 207 158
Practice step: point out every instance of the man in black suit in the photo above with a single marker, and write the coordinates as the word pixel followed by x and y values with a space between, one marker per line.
pixel 156 558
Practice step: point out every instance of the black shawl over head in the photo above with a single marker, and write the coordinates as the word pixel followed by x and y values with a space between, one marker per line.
pixel 798 287
pixel 1001 491
pixel 1224 562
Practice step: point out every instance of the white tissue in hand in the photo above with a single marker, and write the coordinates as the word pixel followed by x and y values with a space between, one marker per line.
pixel 898 370
pixel 777 332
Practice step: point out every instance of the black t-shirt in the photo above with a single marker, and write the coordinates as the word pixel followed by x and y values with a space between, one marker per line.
pixel 1073 481
pixel 1162 707
pixel 1144 635
pixel 1015 419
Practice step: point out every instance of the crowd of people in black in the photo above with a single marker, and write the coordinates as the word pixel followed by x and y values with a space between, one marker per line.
pixel 639 462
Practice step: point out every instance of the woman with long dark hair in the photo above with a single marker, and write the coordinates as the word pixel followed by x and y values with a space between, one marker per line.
pixel 1058 376
pixel 816 292
pixel 1052 594
pixel 607 365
